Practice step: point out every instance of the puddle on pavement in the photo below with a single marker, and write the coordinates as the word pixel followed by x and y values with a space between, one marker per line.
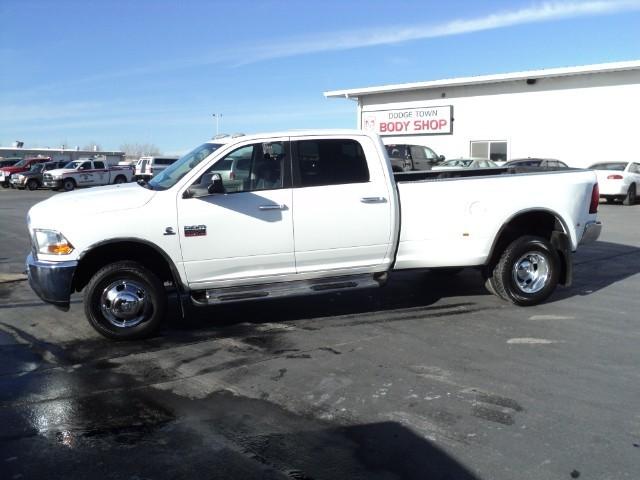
pixel 125 418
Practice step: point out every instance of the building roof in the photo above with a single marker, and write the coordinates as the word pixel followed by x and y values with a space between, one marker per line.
pixel 487 79
pixel 59 150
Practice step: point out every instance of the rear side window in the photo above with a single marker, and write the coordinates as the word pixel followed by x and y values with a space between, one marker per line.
pixel 331 162
pixel 608 166
pixel 164 161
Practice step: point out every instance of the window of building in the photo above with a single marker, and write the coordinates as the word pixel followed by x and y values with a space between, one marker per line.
pixel 495 150
pixel 330 162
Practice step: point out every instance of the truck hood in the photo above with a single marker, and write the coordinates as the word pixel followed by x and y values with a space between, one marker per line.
pixel 11 170
pixel 29 173
pixel 71 206
pixel 61 171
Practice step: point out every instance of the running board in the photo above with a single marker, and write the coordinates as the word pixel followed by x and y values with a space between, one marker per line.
pixel 216 296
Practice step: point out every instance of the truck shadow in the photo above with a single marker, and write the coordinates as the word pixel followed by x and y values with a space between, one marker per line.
pixel 599 265
pixel 408 295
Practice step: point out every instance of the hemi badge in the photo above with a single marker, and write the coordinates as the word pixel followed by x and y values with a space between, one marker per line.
pixel 195 230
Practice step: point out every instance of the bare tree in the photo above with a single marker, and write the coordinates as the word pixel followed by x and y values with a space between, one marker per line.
pixel 137 150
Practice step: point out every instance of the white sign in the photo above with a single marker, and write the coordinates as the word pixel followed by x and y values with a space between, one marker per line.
pixel 410 121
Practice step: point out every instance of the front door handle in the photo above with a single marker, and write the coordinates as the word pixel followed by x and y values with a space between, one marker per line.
pixel 373 200
pixel 273 207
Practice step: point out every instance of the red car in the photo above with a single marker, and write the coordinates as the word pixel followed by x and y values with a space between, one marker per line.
pixel 22 166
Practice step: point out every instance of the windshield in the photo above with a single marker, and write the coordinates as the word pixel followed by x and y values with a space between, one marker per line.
pixel 73 165
pixel 21 163
pixel 608 166
pixel 172 174
pixel 37 167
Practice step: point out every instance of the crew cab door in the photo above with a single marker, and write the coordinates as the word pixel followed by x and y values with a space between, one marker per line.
pixel 246 234
pixel 343 217
pixel 85 175
pixel 101 173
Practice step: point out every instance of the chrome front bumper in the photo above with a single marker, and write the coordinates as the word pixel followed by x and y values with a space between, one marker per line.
pixel 591 232
pixel 51 280
pixel 52 183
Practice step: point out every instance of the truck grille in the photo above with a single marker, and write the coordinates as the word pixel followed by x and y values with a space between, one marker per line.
pixel 47 176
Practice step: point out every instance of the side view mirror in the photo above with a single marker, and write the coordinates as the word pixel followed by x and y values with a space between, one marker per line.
pixel 216 185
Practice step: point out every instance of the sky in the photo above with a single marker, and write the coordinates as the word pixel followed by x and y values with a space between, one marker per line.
pixel 111 72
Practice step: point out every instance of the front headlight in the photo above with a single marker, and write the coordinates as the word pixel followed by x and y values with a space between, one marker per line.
pixel 51 242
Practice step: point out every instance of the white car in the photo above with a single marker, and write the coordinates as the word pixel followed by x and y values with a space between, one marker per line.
pixel 470 163
pixel 323 213
pixel 618 181
pixel 147 167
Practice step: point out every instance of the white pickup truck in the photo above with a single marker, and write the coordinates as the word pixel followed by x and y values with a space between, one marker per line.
pixel 86 173
pixel 317 212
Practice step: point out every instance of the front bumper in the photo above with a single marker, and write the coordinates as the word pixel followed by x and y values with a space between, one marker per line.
pixel 15 182
pixel 52 280
pixel 52 183
pixel 591 232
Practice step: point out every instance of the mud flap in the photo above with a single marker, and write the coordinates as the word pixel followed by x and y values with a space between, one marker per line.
pixel 562 244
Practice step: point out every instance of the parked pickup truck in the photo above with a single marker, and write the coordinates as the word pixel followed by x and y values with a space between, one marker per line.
pixel 32 179
pixel 23 165
pixel 319 211
pixel 86 173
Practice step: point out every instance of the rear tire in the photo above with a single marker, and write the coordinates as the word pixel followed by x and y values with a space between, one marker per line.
pixel 120 179
pixel 631 197
pixel 527 272
pixel 125 301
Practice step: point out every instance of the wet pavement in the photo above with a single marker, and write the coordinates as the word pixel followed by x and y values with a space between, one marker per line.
pixel 429 377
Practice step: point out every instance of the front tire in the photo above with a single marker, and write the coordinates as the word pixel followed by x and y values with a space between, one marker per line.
pixel 125 301
pixel 32 185
pixel 68 184
pixel 527 272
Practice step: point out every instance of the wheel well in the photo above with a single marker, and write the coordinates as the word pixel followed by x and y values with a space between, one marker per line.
pixel 70 179
pixel 103 255
pixel 119 176
pixel 538 222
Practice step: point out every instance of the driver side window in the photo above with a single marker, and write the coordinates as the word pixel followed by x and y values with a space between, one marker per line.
pixel 260 166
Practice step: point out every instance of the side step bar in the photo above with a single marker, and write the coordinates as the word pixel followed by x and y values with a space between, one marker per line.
pixel 216 296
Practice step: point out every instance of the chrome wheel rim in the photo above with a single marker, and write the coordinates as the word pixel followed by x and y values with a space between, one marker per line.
pixel 531 272
pixel 123 303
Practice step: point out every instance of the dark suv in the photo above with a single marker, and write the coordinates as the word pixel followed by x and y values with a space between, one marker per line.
pixel 32 179
pixel 536 164
pixel 405 158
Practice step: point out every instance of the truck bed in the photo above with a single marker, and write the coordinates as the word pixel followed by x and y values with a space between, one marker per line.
pixel 451 218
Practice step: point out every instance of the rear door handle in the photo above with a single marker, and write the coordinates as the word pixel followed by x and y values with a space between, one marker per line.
pixel 273 207
pixel 373 200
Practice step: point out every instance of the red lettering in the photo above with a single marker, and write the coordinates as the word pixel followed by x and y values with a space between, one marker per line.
pixel 442 122
pixel 383 127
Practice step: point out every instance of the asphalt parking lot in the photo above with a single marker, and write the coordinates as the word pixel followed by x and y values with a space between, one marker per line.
pixel 427 378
